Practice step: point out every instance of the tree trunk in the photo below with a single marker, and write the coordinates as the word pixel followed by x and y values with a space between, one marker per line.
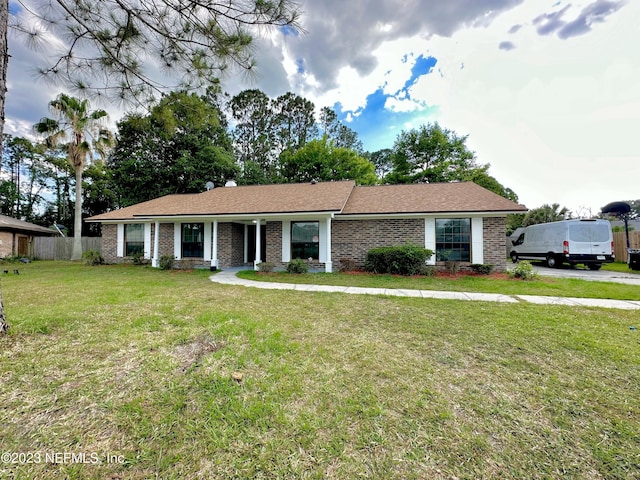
pixel 4 59
pixel 76 253
pixel 4 326
pixel 4 62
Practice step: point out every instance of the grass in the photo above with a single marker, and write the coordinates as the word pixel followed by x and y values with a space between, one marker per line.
pixel 136 365
pixel 619 267
pixel 559 287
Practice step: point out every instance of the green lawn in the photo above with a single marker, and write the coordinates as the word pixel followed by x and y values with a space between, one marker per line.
pixel 559 287
pixel 136 364
pixel 619 267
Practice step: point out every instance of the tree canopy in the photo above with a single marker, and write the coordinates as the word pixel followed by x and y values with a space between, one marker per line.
pixel 178 147
pixel 430 154
pixel 321 161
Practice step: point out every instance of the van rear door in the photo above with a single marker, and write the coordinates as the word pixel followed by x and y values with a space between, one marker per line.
pixel 590 238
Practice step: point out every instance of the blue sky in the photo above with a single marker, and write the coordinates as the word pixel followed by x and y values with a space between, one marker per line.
pixel 377 125
pixel 546 90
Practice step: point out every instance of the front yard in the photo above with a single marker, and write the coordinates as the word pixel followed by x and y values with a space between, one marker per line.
pixel 164 374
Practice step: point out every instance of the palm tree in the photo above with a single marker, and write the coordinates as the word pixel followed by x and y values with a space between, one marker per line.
pixel 85 137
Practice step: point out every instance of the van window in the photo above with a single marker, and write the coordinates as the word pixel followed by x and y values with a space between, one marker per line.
pixel 589 232
pixel 520 240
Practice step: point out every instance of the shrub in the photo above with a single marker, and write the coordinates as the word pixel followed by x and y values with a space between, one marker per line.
pixel 266 267
pixel 297 266
pixel 166 262
pixel 482 268
pixel 92 257
pixel 524 270
pixel 347 265
pixel 452 267
pixel 401 260
pixel 138 259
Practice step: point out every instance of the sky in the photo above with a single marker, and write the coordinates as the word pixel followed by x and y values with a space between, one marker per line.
pixel 547 91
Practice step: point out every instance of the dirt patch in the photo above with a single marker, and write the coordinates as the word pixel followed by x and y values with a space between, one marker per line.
pixel 190 354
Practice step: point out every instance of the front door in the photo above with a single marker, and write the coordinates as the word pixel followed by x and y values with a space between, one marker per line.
pixel 251 243
pixel 23 246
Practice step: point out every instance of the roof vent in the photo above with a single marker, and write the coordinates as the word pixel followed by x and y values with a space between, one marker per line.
pixel 209 186
pixel 231 183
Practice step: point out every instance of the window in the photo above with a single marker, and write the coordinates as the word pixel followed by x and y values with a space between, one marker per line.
pixel 133 239
pixel 305 238
pixel 193 240
pixel 453 239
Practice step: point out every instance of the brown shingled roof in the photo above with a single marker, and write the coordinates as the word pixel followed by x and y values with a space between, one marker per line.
pixel 427 198
pixel 340 197
pixel 11 224
pixel 252 199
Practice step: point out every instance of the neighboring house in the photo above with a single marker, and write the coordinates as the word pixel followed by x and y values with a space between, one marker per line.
pixel 16 236
pixel 319 222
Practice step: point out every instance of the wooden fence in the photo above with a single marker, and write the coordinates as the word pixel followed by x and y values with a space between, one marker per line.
pixel 620 244
pixel 59 248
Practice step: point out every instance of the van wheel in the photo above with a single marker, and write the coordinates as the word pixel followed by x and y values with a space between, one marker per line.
pixel 594 266
pixel 552 262
pixel 514 257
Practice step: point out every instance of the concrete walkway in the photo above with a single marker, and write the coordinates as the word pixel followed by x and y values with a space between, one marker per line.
pixel 229 277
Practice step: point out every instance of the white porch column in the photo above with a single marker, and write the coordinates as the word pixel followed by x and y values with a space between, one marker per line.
pixel 286 241
pixel 430 238
pixel 477 241
pixel 258 255
pixel 245 257
pixel 177 240
pixel 120 240
pixel 328 264
pixel 147 241
pixel 207 242
pixel 214 251
pixel 156 246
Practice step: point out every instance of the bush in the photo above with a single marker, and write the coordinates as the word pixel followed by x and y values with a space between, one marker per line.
pixel 166 262
pixel 297 266
pixel 399 260
pixel 138 259
pixel 266 267
pixel 92 257
pixel 452 267
pixel 524 271
pixel 482 268
pixel 347 265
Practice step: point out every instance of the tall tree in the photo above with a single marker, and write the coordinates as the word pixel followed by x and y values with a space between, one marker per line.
pixel 25 177
pixel 253 135
pixel 294 120
pixel 546 213
pixel 430 154
pixel 82 132
pixel 337 132
pixel 177 148
pixel 320 160
pixel 382 161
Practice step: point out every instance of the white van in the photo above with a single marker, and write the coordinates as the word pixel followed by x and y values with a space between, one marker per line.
pixel 589 242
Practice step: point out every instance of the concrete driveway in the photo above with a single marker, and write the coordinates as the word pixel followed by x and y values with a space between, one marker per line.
pixel 585 274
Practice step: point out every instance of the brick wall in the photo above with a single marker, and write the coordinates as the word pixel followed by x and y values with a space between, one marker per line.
pixel 6 244
pixel 230 244
pixel 110 243
pixel 494 232
pixel 353 238
pixel 274 242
